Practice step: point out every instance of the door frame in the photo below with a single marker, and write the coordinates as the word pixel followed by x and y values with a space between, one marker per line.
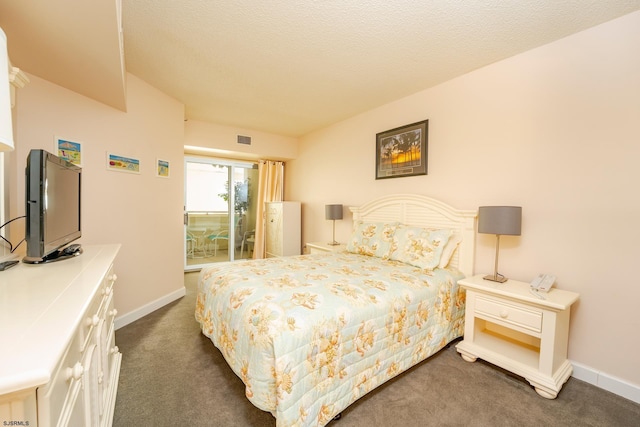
pixel 231 164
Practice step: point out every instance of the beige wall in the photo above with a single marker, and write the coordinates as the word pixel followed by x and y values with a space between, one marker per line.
pixel 223 141
pixel 142 212
pixel 554 130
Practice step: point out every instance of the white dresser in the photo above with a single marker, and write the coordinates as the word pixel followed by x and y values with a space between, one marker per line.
pixel 283 230
pixel 59 365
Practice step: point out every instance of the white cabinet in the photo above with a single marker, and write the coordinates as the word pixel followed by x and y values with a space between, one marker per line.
pixel 283 230
pixel 64 366
pixel 508 326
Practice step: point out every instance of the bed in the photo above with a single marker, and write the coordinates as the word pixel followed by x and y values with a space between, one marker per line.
pixel 309 335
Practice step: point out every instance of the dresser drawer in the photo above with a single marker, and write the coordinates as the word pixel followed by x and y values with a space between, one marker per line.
pixel 97 308
pixel 62 391
pixel 508 314
pixel 90 320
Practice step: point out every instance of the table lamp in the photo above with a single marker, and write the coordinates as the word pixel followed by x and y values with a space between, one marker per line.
pixel 333 212
pixel 499 220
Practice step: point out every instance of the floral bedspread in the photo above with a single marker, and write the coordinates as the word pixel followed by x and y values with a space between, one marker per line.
pixel 308 335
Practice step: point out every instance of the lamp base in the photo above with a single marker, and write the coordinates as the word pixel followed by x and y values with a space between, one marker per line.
pixel 495 278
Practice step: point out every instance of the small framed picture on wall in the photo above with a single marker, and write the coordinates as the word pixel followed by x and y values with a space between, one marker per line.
pixel 162 168
pixel 120 163
pixel 71 151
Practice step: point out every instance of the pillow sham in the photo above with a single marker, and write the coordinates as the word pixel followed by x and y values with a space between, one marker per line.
pixel 372 238
pixel 420 247
pixel 449 249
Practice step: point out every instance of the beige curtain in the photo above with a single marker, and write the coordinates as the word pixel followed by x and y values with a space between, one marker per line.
pixel 270 189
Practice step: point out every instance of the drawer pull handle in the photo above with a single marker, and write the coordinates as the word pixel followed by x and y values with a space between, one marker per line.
pixel 504 314
pixel 75 372
pixel 113 277
pixel 93 321
pixel 113 313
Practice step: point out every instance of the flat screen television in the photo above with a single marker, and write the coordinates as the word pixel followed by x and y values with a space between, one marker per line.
pixel 53 201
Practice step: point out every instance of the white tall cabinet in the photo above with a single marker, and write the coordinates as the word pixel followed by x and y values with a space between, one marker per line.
pixel 59 364
pixel 283 230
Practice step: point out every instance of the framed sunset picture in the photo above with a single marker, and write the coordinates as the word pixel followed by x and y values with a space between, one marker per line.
pixel 402 151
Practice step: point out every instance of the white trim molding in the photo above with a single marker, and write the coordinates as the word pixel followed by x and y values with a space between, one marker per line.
pixel 606 382
pixel 18 80
pixel 139 313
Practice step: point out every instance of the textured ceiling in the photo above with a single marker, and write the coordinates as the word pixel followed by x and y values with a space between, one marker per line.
pixel 294 66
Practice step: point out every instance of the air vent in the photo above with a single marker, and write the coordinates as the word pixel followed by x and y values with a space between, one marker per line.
pixel 246 140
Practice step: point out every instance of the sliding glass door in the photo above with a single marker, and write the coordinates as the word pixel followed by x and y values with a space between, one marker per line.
pixel 220 211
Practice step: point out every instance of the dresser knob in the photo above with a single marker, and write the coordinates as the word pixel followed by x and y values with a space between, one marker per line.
pixel 504 314
pixel 114 350
pixel 93 321
pixel 75 372
pixel 113 313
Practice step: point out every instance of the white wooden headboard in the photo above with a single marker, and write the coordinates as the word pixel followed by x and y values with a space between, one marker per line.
pixel 423 211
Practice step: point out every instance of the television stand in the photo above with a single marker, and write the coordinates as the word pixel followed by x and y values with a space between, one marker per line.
pixel 59 255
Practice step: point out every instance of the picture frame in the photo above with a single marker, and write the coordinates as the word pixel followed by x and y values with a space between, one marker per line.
pixel 68 150
pixel 119 163
pixel 402 151
pixel 163 168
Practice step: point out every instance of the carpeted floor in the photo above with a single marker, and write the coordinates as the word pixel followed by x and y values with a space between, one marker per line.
pixel 172 375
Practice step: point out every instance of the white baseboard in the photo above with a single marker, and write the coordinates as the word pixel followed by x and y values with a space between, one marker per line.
pixel 130 317
pixel 607 382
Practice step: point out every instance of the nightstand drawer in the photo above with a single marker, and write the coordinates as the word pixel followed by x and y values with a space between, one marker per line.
pixel 318 247
pixel 508 314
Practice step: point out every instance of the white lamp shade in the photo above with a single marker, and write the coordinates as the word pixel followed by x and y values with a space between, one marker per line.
pixel 6 127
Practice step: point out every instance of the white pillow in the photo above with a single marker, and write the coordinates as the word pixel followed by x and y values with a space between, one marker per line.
pixel 449 249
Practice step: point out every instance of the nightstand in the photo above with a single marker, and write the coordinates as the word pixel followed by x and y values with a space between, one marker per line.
pixel 315 247
pixel 509 327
